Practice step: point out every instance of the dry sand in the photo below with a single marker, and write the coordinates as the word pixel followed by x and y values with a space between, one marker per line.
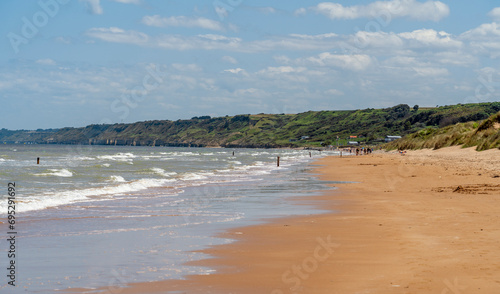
pixel 426 222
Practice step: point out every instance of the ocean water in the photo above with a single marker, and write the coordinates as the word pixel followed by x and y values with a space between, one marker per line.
pixel 105 216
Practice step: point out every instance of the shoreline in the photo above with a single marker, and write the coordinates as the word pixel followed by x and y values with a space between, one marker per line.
pixel 400 228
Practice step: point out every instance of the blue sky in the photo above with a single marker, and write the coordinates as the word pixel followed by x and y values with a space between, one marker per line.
pixel 80 62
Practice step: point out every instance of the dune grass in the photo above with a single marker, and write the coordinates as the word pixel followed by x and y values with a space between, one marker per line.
pixel 482 134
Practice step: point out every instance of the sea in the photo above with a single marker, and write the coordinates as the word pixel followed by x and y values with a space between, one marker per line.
pixel 94 217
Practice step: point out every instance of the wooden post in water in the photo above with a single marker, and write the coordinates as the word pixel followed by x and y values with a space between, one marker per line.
pixel 310 154
pixel 38 160
pixel 233 153
pixel 278 162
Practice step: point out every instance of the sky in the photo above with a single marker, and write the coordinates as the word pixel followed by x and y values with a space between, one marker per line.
pixel 71 63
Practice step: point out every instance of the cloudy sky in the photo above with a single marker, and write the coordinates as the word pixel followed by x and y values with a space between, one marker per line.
pixel 80 62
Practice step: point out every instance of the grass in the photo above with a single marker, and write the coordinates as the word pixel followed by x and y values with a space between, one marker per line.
pixel 483 135
pixel 285 130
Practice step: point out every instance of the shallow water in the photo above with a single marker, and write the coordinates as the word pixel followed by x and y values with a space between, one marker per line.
pixel 105 216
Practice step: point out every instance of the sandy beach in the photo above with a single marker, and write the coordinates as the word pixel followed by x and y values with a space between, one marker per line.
pixel 425 222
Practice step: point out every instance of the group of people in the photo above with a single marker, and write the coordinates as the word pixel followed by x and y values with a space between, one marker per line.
pixel 364 151
pixel 359 151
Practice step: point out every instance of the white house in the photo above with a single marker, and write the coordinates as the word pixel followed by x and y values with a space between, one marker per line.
pixel 391 138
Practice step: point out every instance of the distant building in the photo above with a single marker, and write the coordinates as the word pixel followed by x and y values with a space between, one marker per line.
pixel 352 143
pixel 304 137
pixel 391 138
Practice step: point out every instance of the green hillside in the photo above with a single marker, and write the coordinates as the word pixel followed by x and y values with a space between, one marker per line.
pixel 484 135
pixel 264 130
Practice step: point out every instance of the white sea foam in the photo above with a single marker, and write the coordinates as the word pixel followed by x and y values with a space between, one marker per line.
pixel 162 172
pixel 148 157
pixel 81 158
pixel 193 176
pixel 68 197
pixel 246 165
pixel 117 179
pixel 118 157
pixel 57 172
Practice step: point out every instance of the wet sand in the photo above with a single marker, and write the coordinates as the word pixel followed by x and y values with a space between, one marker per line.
pixel 426 222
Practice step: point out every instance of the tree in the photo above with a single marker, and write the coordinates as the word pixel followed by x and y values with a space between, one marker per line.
pixel 407 125
pixel 416 107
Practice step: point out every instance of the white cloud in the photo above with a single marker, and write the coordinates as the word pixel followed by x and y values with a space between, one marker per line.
pixel 495 14
pixel 282 70
pixel 458 58
pixel 334 92
pixel 250 91
pixel 128 1
pixel 354 50
pixel 282 59
pixel 47 61
pixel 117 35
pixel 235 70
pixel 363 39
pixel 170 42
pixel 431 71
pixel 484 39
pixel 429 37
pixel 296 42
pixel 186 67
pixel 406 64
pixel 314 37
pixel 463 88
pixel 221 11
pixel 382 43
pixel 229 59
pixel 284 77
pixel 200 42
pixel 301 11
pixel 483 32
pixel 338 11
pixel 354 62
pixel 182 21
pixel 213 37
pixel 266 10
pixel 93 6
pixel 430 10
pixel 63 40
